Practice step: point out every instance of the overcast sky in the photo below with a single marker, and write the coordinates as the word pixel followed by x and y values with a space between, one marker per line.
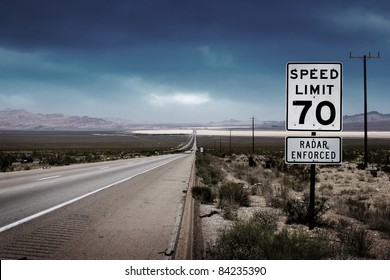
pixel 184 61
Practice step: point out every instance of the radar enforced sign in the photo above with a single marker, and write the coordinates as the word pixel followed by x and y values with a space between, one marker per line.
pixel 322 150
pixel 314 93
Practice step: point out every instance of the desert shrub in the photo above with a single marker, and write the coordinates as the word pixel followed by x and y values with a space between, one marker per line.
pixel 358 210
pixel 203 193
pixel 268 221
pixel 280 195
pixel 299 187
pixel 229 212
pixel 255 189
pixel 300 172
pixel 233 193
pixel 376 216
pixel 284 192
pixel 203 159
pixel 89 157
pixel 326 189
pixel 252 180
pixel 386 169
pixel 266 189
pixel 244 240
pixel 300 246
pixel 298 210
pixel 356 241
pixel 378 156
pixel 361 166
pixel 351 155
pixel 210 174
pixel 251 161
pixel 27 167
pixel 256 239
pixel 6 161
pixel 276 202
pixel 270 163
pixel 379 219
pixel 240 170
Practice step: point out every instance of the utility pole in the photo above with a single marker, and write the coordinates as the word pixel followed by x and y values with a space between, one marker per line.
pixel 365 58
pixel 230 141
pixel 253 135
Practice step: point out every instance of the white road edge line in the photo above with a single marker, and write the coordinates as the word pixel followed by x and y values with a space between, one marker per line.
pixel 39 214
pixel 48 178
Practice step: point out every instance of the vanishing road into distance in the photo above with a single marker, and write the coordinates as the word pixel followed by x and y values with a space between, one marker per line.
pixel 126 209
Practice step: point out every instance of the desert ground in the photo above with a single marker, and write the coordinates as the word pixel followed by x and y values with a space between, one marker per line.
pixel 55 148
pixel 353 202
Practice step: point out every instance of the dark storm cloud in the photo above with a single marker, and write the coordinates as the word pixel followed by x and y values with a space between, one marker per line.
pixel 101 24
pixel 58 24
pixel 91 25
pixel 232 52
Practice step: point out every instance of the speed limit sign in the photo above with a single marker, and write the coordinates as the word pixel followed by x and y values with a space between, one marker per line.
pixel 314 95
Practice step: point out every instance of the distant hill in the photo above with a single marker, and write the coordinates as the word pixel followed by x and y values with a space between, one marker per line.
pixel 375 121
pixel 372 116
pixel 24 120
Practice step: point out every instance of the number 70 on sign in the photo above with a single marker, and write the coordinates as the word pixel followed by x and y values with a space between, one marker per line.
pixel 314 95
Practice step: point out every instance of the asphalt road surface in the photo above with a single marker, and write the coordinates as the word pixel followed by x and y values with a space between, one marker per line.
pixel 127 209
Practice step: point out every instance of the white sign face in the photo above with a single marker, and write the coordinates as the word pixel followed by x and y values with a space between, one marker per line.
pixel 314 94
pixel 313 150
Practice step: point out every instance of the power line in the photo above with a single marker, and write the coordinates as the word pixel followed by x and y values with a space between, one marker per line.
pixel 365 58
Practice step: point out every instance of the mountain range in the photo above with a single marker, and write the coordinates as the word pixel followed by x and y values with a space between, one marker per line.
pixel 24 120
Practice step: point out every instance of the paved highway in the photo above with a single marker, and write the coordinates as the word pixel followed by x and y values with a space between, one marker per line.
pixel 127 209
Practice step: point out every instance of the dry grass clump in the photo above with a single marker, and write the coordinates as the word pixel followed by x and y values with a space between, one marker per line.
pixel 233 193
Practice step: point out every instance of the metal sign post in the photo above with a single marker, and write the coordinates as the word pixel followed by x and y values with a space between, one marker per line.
pixel 313 103
pixel 312 200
